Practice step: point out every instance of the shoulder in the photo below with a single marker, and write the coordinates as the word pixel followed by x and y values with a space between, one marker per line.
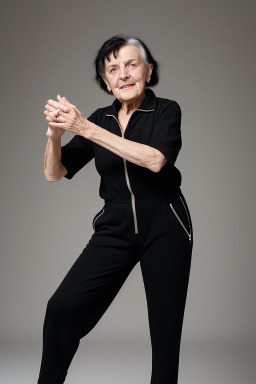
pixel 167 107
pixel 163 103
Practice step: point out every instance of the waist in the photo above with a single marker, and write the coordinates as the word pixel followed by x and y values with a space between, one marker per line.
pixel 124 205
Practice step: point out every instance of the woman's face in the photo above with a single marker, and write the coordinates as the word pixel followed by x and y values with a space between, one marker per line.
pixel 127 68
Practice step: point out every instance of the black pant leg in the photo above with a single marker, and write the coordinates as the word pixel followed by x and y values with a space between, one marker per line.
pixel 84 295
pixel 165 264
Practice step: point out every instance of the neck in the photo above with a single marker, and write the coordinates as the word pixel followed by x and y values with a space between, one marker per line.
pixel 129 107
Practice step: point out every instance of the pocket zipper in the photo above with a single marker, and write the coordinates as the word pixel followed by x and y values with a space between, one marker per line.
pixel 97 218
pixel 189 234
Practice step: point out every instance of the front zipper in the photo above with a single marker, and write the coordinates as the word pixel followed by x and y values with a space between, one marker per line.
pixel 128 182
pixel 126 171
pixel 94 221
pixel 189 234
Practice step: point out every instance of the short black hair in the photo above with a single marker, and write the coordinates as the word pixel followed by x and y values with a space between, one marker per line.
pixel 113 44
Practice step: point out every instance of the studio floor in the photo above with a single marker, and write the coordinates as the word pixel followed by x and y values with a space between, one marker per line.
pixel 129 362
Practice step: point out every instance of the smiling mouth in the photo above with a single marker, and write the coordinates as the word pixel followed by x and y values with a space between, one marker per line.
pixel 127 86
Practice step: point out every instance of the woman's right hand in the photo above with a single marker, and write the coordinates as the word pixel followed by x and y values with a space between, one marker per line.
pixel 52 115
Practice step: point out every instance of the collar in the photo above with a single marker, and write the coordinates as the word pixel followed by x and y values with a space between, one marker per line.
pixel 148 104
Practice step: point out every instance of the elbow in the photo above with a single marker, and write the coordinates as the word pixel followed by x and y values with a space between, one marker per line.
pixel 51 179
pixel 155 168
pixel 157 161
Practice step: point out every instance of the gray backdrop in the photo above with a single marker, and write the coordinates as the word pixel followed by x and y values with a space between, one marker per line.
pixel 207 63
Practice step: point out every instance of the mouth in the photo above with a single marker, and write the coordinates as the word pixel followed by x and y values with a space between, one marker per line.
pixel 127 86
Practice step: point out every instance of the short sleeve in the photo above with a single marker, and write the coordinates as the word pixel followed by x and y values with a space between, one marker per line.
pixel 77 152
pixel 166 136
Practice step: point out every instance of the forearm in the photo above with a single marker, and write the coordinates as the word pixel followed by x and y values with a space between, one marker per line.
pixel 140 154
pixel 53 168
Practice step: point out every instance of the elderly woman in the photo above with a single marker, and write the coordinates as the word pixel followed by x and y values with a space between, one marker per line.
pixel 145 218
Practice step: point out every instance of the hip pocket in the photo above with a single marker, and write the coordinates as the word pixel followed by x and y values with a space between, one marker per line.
pixel 97 218
pixel 180 212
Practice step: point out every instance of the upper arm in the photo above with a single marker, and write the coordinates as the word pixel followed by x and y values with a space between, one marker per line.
pixel 166 136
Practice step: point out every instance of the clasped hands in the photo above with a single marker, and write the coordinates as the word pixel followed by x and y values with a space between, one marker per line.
pixel 65 116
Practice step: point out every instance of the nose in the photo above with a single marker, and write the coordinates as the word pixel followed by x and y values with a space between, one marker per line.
pixel 123 73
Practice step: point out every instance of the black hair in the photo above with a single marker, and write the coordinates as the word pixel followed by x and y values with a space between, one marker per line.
pixel 112 45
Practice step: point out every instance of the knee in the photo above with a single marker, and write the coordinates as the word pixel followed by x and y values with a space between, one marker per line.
pixel 60 304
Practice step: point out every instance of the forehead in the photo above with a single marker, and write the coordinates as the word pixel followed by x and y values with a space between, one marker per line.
pixel 125 53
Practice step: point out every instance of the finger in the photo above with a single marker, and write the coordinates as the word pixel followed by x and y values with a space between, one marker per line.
pixel 66 100
pixel 50 108
pixel 49 118
pixel 54 113
pixel 53 105
pixel 56 104
pixel 47 113
pixel 61 100
pixel 58 119
pixel 57 125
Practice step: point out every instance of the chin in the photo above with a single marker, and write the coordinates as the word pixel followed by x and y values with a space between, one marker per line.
pixel 130 94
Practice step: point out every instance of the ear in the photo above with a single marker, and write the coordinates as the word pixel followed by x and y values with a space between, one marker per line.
pixel 149 72
pixel 106 82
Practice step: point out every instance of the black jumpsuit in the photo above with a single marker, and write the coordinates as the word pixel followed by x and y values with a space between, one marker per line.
pixel 144 218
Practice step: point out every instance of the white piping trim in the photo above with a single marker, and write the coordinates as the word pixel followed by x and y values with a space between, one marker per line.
pixel 100 213
pixel 138 109
pixel 174 211
pixel 145 110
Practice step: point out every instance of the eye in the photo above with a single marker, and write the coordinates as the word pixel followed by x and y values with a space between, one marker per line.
pixel 112 69
pixel 133 64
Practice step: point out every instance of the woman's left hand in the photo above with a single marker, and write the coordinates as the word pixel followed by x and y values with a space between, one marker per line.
pixel 71 120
